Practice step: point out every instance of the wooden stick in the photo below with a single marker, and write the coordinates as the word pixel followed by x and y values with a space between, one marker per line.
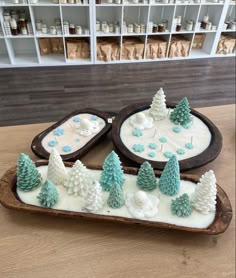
pixel 161 147
pixel 191 139
pixel 155 133
pixel 55 139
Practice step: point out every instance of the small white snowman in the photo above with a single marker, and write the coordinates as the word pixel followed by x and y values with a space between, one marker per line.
pixel 141 205
pixel 86 127
pixel 141 121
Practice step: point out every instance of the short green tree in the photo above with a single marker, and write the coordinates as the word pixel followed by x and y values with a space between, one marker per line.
pixel 28 176
pixel 48 195
pixel 169 182
pixel 181 206
pixel 181 114
pixel 112 172
pixel 116 197
pixel 146 179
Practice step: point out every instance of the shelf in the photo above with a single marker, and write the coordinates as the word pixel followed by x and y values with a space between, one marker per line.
pixel 79 61
pixel 52 59
pixel 102 34
pixel 199 53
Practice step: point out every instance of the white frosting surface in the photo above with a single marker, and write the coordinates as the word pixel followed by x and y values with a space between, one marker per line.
pixel 71 136
pixel 76 203
pixel 164 128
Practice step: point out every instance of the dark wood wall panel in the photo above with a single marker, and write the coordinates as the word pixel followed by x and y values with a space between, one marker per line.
pixel 32 95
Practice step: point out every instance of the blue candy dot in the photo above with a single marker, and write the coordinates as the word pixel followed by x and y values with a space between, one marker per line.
pixel 168 154
pixel 176 129
pixel 151 154
pixel 58 131
pixel 163 139
pixel 137 133
pixel 152 146
pixel 52 143
pixel 94 117
pixel 138 148
pixel 77 139
pixel 67 148
pixel 189 146
pixel 180 151
pixel 186 126
pixel 76 119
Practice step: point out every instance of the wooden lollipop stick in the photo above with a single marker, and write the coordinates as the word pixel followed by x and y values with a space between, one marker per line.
pixel 191 139
pixel 161 147
pixel 55 139
pixel 155 133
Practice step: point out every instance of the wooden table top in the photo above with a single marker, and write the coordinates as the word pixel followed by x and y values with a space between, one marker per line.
pixel 33 246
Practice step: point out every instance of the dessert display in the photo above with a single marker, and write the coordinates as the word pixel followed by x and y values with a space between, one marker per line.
pixel 156 131
pixel 128 195
pixel 72 136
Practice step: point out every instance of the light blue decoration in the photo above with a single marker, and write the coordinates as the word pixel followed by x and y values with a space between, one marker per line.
pixel 189 146
pixel 180 151
pixel 186 126
pixel 58 131
pixel 151 154
pixel 67 148
pixel 176 129
pixel 152 146
pixel 168 154
pixel 52 143
pixel 137 132
pixel 94 117
pixel 77 139
pixel 76 119
pixel 163 139
pixel 138 148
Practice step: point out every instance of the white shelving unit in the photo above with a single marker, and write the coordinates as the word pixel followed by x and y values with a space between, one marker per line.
pixel 24 50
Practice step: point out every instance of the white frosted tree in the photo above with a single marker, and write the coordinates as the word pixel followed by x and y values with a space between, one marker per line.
pixel 204 197
pixel 78 180
pixel 56 168
pixel 158 110
pixel 94 197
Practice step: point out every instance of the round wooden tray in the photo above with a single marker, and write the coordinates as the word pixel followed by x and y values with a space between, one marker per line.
pixel 9 199
pixel 203 158
pixel 40 151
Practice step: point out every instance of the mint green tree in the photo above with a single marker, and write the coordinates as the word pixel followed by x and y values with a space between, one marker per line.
pixel 28 176
pixel 181 114
pixel 146 179
pixel 48 195
pixel 116 197
pixel 181 206
pixel 112 172
pixel 169 182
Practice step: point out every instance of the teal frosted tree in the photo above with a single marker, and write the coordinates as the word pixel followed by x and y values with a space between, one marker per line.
pixel 146 179
pixel 116 197
pixel 48 195
pixel 169 182
pixel 112 172
pixel 181 206
pixel 181 114
pixel 28 176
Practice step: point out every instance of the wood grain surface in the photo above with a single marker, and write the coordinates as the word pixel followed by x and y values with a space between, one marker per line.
pixel 33 246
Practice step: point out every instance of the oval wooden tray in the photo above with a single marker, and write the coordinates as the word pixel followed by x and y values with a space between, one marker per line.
pixel 186 164
pixel 40 151
pixel 9 199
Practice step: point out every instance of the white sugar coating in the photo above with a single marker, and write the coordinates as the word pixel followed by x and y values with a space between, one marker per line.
pixel 76 203
pixel 198 131
pixel 70 136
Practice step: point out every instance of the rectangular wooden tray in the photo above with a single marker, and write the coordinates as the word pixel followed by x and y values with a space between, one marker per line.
pixel 9 199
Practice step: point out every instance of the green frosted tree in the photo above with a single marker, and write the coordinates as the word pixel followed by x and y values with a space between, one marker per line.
pixel 181 206
pixel 48 195
pixel 28 176
pixel 112 172
pixel 116 197
pixel 169 182
pixel 146 179
pixel 181 114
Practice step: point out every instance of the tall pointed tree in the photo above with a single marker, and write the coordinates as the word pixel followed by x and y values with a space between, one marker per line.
pixel 158 109
pixel 28 176
pixel 112 172
pixel 94 197
pixel 116 197
pixel 78 179
pixel 169 182
pixel 48 195
pixel 204 197
pixel 56 168
pixel 181 114
pixel 146 179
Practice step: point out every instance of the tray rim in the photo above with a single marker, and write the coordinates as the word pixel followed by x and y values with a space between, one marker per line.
pixel 9 199
pixel 197 161
pixel 39 150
